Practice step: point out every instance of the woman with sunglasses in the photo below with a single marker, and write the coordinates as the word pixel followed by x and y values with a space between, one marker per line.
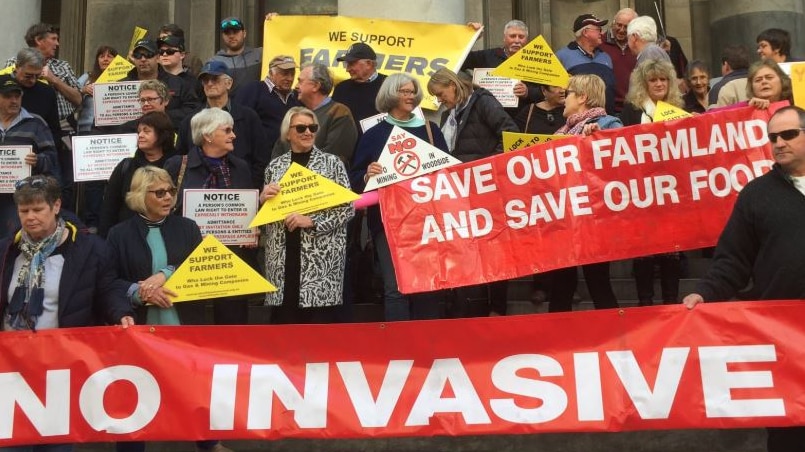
pixel 543 117
pixel 154 145
pixel 305 254
pixel 399 95
pixel 211 164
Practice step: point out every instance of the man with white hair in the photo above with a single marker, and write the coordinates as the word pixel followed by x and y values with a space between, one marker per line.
pixel 515 36
pixel 616 45
pixel 642 38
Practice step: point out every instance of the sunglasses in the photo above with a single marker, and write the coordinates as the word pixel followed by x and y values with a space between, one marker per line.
pixel 231 24
pixel 162 192
pixel 164 52
pixel 33 182
pixel 138 55
pixel 300 128
pixel 786 135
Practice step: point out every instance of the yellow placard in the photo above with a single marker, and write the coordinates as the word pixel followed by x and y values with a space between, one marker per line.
pixel 535 63
pixel 513 141
pixel 139 33
pixel 416 48
pixel 8 69
pixel 213 271
pixel 303 191
pixel 798 83
pixel 666 112
pixel 117 70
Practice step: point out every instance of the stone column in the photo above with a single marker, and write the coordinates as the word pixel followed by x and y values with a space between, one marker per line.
pixel 71 37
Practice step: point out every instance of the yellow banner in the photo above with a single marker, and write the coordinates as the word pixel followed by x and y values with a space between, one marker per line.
pixel 535 63
pixel 667 112
pixel 513 141
pixel 213 271
pixel 413 47
pixel 117 70
pixel 303 191
pixel 139 33
pixel 798 83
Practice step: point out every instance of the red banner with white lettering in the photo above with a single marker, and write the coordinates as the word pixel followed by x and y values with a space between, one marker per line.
pixel 720 365
pixel 618 194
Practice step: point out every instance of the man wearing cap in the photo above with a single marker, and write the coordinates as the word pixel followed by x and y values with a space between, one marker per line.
pixel 337 133
pixel 515 36
pixel 20 127
pixel 360 90
pixel 244 62
pixel 172 56
pixel 183 100
pixel 251 143
pixel 584 56
pixel 273 97
pixel 616 45
pixel 642 36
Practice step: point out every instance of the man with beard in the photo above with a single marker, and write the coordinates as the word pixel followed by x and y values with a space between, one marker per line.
pixel 244 62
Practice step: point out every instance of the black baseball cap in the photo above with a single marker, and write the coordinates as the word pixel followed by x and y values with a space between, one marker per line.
pixel 232 23
pixel 587 19
pixel 8 84
pixel 146 44
pixel 172 41
pixel 358 51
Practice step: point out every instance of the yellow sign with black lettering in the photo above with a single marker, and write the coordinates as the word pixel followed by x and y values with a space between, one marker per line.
pixel 302 191
pixel 535 63
pixel 513 141
pixel 139 33
pixel 416 48
pixel 666 112
pixel 116 71
pixel 213 271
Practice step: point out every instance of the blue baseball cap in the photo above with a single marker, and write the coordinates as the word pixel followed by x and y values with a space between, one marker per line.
pixel 214 67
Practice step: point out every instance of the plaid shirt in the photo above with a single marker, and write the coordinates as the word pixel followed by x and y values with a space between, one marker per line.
pixel 61 69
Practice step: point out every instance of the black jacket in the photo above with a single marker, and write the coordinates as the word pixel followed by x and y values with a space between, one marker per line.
pixel 251 143
pixel 89 293
pixel 183 100
pixel 480 127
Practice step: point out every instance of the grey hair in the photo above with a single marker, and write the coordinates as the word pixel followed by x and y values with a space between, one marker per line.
pixel 320 74
pixel 30 56
pixel 514 23
pixel 388 96
pixel 624 12
pixel 644 28
pixel 156 86
pixel 293 111
pixel 206 121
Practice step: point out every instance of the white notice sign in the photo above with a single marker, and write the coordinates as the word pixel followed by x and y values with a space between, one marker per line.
pixel 226 214
pixel 12 166
pixel 96 156
pixel 116 103
pixel 500 87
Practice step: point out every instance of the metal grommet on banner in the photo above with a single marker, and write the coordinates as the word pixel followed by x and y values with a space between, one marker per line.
pixel 382 326
pixel 621 312
pixel 152 330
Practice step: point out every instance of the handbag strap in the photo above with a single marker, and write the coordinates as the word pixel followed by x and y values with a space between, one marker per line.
pixel 528 119
pixel 430 132
pixel 181 172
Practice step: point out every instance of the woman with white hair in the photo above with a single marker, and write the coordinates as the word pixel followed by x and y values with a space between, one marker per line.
pixel 305 254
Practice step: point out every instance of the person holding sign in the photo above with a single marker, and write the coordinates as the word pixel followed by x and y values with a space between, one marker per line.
pixel 211 164
pixel 103 57
pixel 305 254
pixel 148 247
pixel 653 81
pixel 154 145
pixel 698 77
pixel 473 124
pixel 584 109
pixel 398 96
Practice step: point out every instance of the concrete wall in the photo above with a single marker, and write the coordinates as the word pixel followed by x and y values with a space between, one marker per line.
pixel 21 14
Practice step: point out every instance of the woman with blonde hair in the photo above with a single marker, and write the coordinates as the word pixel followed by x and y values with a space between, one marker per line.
pixel 651 81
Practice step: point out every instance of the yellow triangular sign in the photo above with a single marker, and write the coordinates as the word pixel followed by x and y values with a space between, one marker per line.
pixel 139 33
pixel 406 156
pixel 213 271
pixel 513 141
pixel 303 191
pixel 535 63
pixel 666 112
pixel 8 69
pixel 116 71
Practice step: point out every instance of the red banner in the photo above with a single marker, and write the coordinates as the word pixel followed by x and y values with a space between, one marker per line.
pixel 721 365
pixel 621 193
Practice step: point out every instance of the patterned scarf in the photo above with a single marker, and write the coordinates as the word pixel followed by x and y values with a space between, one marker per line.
pixel 220 176
pixel 27 302
pixel 575 122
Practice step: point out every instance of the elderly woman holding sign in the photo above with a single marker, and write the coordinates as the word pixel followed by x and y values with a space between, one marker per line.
pixel 305 254
pixel 211 165
pixel 149 246
pixel 399 95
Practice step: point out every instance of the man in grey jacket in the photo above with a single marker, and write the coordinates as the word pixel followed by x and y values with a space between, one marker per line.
pixel 244 62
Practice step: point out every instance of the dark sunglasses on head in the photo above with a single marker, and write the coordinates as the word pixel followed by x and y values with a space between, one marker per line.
pixel 231 24
pixel 300 128
pixel 138 55
pixel 787 135
pixel 168 51
pixel 33 182
pixel 162 192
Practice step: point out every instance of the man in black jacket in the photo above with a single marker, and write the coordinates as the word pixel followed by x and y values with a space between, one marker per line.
pixel 762 240
pixel 183 100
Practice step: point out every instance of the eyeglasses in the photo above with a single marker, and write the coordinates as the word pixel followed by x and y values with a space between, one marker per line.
pixel 162 192
pixel 148 100
pixel 300 128
pixel 406 92
pixel 33 182
pixel 29 76
pixel 140 55
pixel 786 135
pixel 164 52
